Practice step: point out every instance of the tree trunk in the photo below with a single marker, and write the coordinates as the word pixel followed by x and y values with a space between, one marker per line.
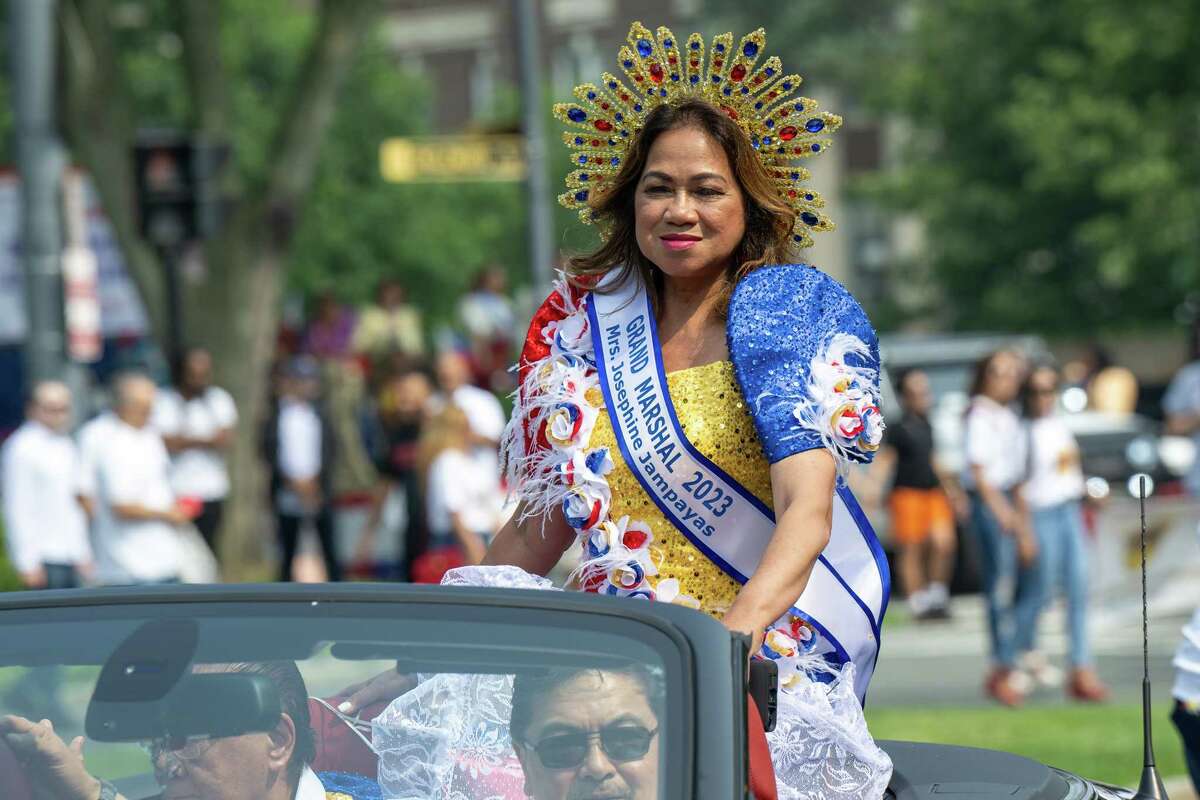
pixel 233 310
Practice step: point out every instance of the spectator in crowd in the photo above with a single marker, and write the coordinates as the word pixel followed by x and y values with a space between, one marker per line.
pixel 487 316
pixel 196 420
pixel 1053 490
pixel 298 445
pixel 994 466
pixel 45 528
pixel 462 497
pixel 1111 389
pixel 91 437
pixel 136 516
pixel 1182 406
pixel 921 515
pixel 393 432
pixel 481 406
pixel 1186 691
pixel 389 326
pixel 330 333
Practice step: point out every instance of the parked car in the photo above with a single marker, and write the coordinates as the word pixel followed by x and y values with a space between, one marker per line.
pixel 122 667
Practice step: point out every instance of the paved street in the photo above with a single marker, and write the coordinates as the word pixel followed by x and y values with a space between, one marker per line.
pixel 904 675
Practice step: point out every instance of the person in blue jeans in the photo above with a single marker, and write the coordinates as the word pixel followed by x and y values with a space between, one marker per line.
pixel 994 446
pixel 1053 490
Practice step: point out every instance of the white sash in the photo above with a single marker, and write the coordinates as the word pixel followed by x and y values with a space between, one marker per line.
pixel 847 594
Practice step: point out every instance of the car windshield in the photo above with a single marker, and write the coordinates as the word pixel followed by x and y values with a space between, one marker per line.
pixel 233 700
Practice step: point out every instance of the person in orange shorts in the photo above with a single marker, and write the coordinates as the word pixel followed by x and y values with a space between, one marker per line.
pixel 921 513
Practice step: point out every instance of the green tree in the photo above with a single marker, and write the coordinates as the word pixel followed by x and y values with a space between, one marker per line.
pixel 358 228
pixel 262 74
pixel 1054 158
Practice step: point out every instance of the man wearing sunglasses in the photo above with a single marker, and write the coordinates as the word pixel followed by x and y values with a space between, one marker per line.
pixel 271 765
pixel 590 734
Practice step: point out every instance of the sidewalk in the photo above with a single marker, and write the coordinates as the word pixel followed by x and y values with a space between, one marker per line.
pixel 943 663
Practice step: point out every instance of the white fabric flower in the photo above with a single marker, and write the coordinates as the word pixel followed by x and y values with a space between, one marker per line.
pixel 670 591
pixel 571 335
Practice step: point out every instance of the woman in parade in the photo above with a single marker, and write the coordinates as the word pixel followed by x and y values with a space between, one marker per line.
pixel 690 397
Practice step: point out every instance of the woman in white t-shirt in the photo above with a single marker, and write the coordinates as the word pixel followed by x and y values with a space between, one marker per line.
pixel 1053 490
pixel 462 497
pixel 994 466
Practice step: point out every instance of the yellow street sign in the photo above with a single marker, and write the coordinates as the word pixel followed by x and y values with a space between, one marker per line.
pixel 465 158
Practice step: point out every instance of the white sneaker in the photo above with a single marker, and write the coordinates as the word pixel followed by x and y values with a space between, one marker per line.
pixel 1041 670
pixel 1021 681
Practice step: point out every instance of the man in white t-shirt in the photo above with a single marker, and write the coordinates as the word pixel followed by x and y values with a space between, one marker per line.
pixel 196 421
pixel 45 528
pixel 136 517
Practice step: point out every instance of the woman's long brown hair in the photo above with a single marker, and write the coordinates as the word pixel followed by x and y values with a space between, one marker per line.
pixel 769 219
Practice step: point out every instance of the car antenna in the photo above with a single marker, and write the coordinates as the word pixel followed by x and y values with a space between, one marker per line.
pixel 1151 785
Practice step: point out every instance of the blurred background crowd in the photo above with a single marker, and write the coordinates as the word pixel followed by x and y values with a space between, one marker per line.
pixel 290 249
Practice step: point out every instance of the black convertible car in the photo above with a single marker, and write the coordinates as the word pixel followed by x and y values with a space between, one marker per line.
pixel 188 693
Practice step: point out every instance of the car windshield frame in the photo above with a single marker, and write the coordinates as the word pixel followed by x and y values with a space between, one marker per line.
pixel 560 612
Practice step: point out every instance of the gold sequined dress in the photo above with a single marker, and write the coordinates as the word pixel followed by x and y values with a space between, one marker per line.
pixel 714 417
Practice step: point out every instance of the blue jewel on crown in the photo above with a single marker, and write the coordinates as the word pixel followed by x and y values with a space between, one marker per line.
pixel 750 49
pixel 814 125
pixel 577 115
pixel 644 48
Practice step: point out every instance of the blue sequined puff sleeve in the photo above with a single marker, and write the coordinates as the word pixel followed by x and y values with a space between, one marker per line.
pixel 807 360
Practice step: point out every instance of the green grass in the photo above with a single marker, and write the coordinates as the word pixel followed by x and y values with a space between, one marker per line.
pixel 1103 743
pixel 9 580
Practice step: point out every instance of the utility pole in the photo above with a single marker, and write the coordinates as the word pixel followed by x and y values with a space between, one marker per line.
pixel 40 164
pixel 541 223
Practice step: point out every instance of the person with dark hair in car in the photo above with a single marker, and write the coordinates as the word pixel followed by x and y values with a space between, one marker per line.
pixel 270 765
pixel 588 733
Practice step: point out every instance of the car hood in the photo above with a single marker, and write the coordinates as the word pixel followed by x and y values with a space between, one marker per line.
pixel 948 772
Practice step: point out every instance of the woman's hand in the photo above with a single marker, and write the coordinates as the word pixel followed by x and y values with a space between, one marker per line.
pixel 383 688
pixel 54 769
pixel 755 633
pixel 1027 546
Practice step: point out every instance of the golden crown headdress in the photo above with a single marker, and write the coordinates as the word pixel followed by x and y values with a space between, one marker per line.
pixel 783 127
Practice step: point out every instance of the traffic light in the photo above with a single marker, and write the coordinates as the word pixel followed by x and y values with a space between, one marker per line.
pixel 178 195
